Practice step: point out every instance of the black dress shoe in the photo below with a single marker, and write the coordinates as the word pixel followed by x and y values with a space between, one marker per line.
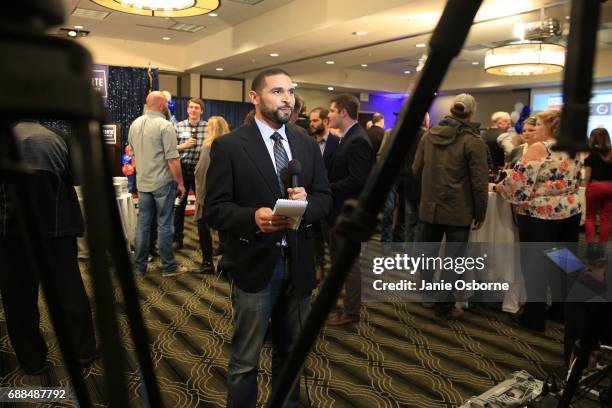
pixel 207 268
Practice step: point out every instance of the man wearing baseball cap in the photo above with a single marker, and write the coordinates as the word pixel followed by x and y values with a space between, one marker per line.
pixel 451 163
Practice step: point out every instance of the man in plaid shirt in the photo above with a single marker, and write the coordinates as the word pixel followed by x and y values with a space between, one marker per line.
pixel 190 138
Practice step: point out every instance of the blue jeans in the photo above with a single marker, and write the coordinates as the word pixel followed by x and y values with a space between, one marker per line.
pixel 280 304
pixel 162 202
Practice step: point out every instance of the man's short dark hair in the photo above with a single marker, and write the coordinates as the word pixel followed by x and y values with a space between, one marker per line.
pixel 198 101
pixel 260 79
pixel 323 113
pixel 347 102
pixel 377 117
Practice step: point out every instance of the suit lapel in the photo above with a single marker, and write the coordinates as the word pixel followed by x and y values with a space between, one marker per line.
pixel 296 144
pixel 258 153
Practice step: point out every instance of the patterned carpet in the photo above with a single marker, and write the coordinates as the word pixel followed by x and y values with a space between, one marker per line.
pixel 399 355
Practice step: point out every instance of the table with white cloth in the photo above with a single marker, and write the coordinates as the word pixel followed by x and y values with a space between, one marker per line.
pixel 499 228
pixel 127 214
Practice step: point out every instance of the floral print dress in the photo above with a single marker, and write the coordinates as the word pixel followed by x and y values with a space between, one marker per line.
pixel 545 189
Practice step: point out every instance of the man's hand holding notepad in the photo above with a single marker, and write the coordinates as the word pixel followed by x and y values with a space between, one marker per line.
pixel 292 209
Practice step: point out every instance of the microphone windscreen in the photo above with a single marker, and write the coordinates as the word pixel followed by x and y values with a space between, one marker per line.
pixel 294 167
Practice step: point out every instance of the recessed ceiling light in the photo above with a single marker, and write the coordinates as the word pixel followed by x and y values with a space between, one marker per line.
pixel 421 45
pixel 364 65
pixel 72 33
pixel 166 38
pixel 274 54
pixel 295 84
pixel 330 62
pixel 360 32
pixel 406 72
pixel 330 88
pixel 475 63
pixel 79 27
pixel 219 69
pixel 213 14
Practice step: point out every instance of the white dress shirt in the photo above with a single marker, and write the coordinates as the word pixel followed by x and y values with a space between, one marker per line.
pixel 266 131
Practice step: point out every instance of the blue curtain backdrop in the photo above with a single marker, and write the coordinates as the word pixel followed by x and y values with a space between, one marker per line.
pixel 232 112
pixel 127 93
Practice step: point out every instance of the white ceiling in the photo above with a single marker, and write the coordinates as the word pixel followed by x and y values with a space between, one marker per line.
pixel 306 33
pixel 152 29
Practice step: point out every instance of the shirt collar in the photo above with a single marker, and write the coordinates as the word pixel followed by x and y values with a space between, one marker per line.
pixel 349 128
pixel 155 113
pixel 266 131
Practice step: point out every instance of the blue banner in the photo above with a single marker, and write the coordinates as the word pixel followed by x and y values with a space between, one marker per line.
pixel 99 80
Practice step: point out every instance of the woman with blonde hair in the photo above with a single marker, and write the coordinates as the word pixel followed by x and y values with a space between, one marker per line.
pixel 216 127
pixel 544 187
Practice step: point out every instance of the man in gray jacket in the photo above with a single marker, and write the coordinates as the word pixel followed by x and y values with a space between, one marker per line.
pixel 451 162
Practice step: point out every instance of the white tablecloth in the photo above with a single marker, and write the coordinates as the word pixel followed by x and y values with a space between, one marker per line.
pixel 499 227
pixel 127 213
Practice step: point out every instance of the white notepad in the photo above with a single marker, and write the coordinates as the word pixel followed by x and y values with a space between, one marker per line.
pixel 293 209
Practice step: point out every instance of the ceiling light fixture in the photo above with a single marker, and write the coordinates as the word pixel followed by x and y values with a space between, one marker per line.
pixel 330 62
pixel 364 65
pixel 295 84
pixel 219 69
pixel 213 14
pixel 475 63
pixel 525 58
pixel 166 38
pixel 274 54
pixel 360 32
pixel 421 45
pixel 406 72
pixel 330 88
pixel 161 8
pixel 78 27
pixel 72 33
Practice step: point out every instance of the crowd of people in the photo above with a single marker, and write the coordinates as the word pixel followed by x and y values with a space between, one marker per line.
pixel 237 176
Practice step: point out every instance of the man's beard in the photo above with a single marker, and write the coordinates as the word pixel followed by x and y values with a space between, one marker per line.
pixel 318 131
pixel 275 115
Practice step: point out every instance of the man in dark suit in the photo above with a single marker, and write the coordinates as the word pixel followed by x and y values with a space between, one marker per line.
pixel 270 267
pixel 376 132
pixel 328 143
pixel 319 128
pixel 350 169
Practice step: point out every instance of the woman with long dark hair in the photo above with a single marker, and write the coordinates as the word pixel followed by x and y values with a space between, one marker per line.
pixel 598 175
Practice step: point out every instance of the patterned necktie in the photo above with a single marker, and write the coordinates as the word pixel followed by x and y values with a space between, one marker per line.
pixel 281 159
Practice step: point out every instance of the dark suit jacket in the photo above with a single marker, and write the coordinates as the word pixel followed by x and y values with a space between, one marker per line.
pixel 376 134
pixel 330 148
pixel 351 167
pixel 241 178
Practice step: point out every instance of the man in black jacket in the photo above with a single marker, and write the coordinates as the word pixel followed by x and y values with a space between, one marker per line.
pixel 376 132
pixel 270 267
pixel 328 143
pixel 58 221
pixel 351 167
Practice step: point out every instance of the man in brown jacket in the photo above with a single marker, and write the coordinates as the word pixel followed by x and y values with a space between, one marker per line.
pixel 451 162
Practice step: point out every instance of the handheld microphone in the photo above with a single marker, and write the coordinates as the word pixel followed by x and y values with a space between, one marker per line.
pixel 294 168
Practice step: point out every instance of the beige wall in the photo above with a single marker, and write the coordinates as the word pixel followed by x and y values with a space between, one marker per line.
pixel 221 89
pixel 169 83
